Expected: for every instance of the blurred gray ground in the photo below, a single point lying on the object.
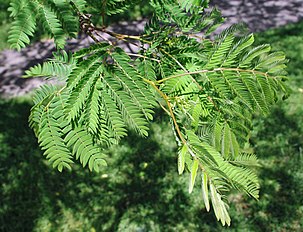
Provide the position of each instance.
(257, 14)
(260, 15)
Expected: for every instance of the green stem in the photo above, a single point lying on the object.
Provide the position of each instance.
(211, 71)
(171, 113)
(145, 57)
(184, 69)
(122, 36)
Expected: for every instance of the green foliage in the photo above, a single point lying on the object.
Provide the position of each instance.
(59, 67)
(209, 88)
(4, 16)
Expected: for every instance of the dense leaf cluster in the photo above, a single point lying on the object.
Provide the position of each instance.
(210, 88)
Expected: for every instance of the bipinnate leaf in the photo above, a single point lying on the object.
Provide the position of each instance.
(209, 86)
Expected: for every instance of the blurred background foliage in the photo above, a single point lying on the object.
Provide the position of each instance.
(4, 23)
(141, 190)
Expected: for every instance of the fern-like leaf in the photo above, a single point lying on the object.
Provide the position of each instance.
(84, 149)
(51, 24)
(57, 19)
(81, 92)
(24, 24)
(210, 88)
(220, 207)
(59, 67)
(50, 139)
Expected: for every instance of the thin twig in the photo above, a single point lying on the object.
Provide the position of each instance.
(214, 70)
(171, 113)
(98, 34)
(184, 69)
(145, 57)
(122, 36)
(164, 109)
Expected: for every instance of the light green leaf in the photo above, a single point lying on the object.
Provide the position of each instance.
(193, 174)
(205, 191)
(219, 206)
(181, 158)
